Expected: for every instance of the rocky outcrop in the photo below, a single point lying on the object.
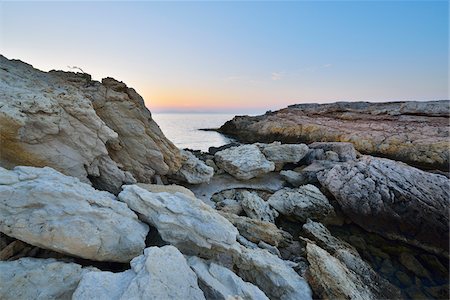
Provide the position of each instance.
(338, 272)
(274, 276)
(48, 209)
(94, 131)
(305, 202)
(220, 283)
(243, 162)
(41, 279)
(393, 199)
(182, 221)
(161, 273)
(193, 170)
(413, 132)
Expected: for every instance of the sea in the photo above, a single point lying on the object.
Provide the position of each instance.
(183, 129)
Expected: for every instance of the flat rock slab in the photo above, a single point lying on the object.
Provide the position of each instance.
(47, 209)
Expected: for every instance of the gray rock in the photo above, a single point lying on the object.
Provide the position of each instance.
(302, 203)
(193, 170)
(161, 273)
(182, 221)
(394, 200)
(256, 208)
(412, 264)
(41, 279)
(295, 179)
(50, 210)
(274, 276)
(243, 162)
(220, 283)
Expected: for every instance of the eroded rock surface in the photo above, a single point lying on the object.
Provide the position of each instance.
(161, 273)
(182, 221)
(41, 279)
(281, 154)
(48, 209)
(413, 132)
(393, 199)
(243, 162)
(90, 130)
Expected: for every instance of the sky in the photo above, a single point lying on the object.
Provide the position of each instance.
(240, 56)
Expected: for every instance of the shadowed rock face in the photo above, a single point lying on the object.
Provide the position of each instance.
(393, 199)
(94, 131)
(413, 132)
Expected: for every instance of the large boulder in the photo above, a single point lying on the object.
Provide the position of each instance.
(393, 199)
(193, 170)
(274, 276)
(281, 154)
(40, 279)
(415, 132)
(182, 221)
(220, 283)
(305, 202)
(99, 132)
(243, 162)
(345, 151)
(161, 273)
(48, 209)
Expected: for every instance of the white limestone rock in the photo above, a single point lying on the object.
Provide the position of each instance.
(182, 221)
(47, 209)
(40, 279)
(172, 189)
(95, 131)
(160, 274)
(256, 208)
(274, 276)
(281, 154)
(302, 203)
(220, 283)
(243, 162)
(193, 170)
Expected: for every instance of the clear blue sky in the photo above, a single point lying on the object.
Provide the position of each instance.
(234, 56)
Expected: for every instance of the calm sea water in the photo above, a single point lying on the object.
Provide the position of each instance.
(183, 129)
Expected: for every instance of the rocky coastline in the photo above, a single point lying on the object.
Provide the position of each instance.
(330, 201)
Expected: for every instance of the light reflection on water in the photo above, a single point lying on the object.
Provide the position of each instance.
(182, 129)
